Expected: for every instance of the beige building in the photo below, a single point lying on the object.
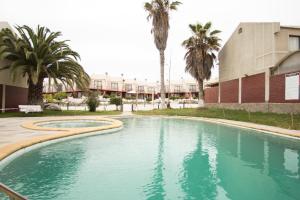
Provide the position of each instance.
(12, 92)
(260, 63)
(127, 87)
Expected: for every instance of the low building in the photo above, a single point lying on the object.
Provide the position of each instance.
(12, 93)
(259, 69)
(129, 88)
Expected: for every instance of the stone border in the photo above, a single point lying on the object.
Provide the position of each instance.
(282, 132)
(10, 149)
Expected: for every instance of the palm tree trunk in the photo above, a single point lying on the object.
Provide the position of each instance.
(201, 93)
(162, 79)
(35, 92)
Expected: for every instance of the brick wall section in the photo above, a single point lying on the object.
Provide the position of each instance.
(0, 96)
(211, 95)
(277, 90)
(15, 96)
(229, 91)
(253, 88)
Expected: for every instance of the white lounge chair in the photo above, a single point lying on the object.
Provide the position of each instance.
(30, 108)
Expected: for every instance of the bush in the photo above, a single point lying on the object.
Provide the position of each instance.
(60, 96)
(174, 98)
(149, 99)
(92, 101)
(48, 98)
(106, 96)
(116, 101)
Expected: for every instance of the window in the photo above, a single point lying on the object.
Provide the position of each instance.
(98, 84)
(150, 89)
(292, 86)
(177, 88)
(114, 86)
(192, 88)
(141, 88)
(128, 87)
(294, 43)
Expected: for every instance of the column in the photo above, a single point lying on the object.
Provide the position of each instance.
(3, 97)
(240, 90)
(267, 85)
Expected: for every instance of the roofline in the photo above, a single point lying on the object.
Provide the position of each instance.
(291, 27)
(276, 66)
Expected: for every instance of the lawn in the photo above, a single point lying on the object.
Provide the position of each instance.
(272, 119)
(47, 113)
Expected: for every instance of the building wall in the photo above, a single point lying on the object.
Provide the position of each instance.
(277, 90)
(253, 88)
(229, 91)
(0, 96)
(211, 95)
(248, 51)
(15, 96)
(253, 48)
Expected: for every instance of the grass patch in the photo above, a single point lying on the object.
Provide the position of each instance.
(47, 113)
(272, 119)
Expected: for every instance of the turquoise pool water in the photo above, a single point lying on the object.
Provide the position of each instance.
(153, 158)
(73, 124)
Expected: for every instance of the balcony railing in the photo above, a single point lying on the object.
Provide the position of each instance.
(10, 193)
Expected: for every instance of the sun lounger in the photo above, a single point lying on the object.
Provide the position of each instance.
(30, 108)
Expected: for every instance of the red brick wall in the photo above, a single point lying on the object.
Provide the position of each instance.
(277, 90)
(253, 88)
(230, 91)
(15, 96)
(1, 96)
(211, 95)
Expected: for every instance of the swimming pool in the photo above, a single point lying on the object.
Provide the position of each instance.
(157, 158)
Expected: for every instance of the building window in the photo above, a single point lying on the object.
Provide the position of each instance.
(128, 87)
(98, 84)
(150, 89)
(294, 43)
(177, 88)
(114, 86)
(141, 88)
(192, 88)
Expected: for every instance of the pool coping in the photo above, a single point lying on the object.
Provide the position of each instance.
(295, 134)
(62, 133)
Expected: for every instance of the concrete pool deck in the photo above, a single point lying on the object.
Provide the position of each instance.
(14, 136)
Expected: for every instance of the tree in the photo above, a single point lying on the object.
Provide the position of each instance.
(39, 55)
(158, 11)
(116, 101)
(200, 56)
(93, 101)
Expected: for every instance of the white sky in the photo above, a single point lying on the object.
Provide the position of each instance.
(114, 36)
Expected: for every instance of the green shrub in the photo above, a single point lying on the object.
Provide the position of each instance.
(92, 101)
(106, 96)
(116, 101)
(174, 98)
(60, 96)
(149, 99)
(48, 98)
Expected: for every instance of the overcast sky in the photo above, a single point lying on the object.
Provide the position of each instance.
(114, 36)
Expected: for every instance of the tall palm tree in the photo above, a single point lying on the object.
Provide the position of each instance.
(200, 56)
(39, 55)
(159, 13)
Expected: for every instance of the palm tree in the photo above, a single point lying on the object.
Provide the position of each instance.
(200, 56)
(39, 55)
(159, 13)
